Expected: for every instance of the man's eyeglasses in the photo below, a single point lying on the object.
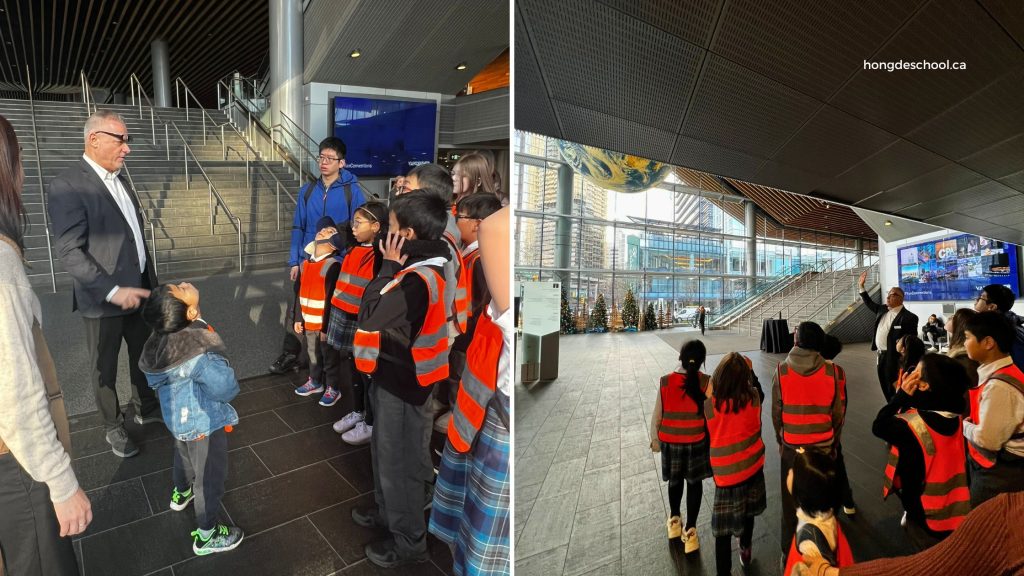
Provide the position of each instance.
(124, 138)
(322, 159)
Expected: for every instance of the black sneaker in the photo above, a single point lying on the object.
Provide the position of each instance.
(368, 517)
(286, 362)
(120, 443)
(383, 554)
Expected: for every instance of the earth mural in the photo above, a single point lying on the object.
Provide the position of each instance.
(613, 170)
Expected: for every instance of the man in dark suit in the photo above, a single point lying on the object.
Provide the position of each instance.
(892, 322)
(97, 226)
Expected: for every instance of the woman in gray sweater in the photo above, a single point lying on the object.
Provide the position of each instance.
(41, 504)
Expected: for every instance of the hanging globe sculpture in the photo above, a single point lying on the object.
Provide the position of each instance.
(613, 170)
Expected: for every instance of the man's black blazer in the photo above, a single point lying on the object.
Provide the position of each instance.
(93, 239)
(904, 323)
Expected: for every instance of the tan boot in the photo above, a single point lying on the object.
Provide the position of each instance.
(675, 527)
(690, 541)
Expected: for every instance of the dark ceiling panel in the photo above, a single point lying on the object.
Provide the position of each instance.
(954, 30)
(891, 167)
(735, 107)
(779, 175)
(690, 20)
(1015, 181)
(999, 160)
(979, 195)
(813, 47)
(1009, 14)
(699, 155)
(534, 112)
(988, 117)
(814, 149)
(575, 60)
(604, 131)
(941, 182)
(961, 222)
(998, 212)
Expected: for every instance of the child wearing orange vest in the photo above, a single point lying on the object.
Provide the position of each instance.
(403, 341)
(926, 466)
(995, 429)
(360, 263)
(814, 483)
(678, 431)
(733, 413)
(317, 278)
(808, 410)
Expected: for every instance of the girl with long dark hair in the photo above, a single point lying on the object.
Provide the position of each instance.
(679, 432)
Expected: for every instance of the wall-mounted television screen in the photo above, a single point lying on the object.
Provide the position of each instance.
(384, 137)
(956, 268)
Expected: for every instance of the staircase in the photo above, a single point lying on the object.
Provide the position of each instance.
(175, 196)
(817, 296)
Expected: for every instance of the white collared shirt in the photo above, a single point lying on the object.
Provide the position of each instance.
(469, 249)
(882, 333)
(124, 202)
(504, 322)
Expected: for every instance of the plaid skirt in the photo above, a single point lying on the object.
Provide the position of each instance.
(341, 330)
(734, 504)
(688, 462)
(471, 502)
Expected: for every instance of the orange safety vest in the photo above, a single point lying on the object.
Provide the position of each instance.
(737, 452)
(682, 420)
(807, 404)
(356, 272)
(313, 293)
(458, 308)
(479, 381)
(469, 263)
(843, 555)
(1013, 376)
(430, 345)
(946, 499)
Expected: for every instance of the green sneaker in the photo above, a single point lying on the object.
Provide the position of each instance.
(224, 538)
(180, 500)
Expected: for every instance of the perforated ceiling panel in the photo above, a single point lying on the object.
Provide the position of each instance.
(403, 45)
(777, 93)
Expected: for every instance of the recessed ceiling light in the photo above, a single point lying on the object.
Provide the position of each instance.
(355, 53)
(460, 66)
(888, 222)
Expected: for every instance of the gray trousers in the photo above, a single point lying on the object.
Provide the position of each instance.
(400, 451)
(29, 532)
(203, 465)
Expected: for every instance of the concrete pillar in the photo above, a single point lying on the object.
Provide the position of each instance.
(161, 74)
(563, 225)
(286, 63)
(749, 226)
(859, 247)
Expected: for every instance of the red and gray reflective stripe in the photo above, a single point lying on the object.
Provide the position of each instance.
(346, 297)
(434, 366)
(366, 350)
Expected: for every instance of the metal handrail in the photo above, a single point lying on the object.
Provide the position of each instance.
(86, 93)
(788, 309)
(278, 187)
(302, 169)
(39, 174)
(188, 93)
(214, 194)
(305, 148)
(133, 84)
(142, 210)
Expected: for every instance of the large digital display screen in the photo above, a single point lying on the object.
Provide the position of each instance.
(384, 137)
(956, 268)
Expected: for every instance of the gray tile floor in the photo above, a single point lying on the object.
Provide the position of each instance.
(292, 483)
(589, 498)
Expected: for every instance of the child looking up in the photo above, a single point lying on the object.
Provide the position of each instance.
(317, 279)
(815, 487)
(184, 362)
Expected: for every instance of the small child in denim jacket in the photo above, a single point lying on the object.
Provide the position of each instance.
(184, 362)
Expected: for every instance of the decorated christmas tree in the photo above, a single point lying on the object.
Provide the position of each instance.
(661, 316)
(630, 311)
(566, 322)
(650, 319)
(599, 316)
(581, 318)
(616, 321)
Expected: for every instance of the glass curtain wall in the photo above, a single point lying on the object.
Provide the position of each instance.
(673, 245)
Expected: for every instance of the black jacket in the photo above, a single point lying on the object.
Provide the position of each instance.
(93, 240)
(904, 323)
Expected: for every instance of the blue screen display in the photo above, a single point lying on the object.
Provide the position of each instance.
(385, 137)
(956, 268)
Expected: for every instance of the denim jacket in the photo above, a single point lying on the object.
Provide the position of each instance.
(191, 376)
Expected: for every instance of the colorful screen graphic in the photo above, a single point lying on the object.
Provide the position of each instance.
(956, 268)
